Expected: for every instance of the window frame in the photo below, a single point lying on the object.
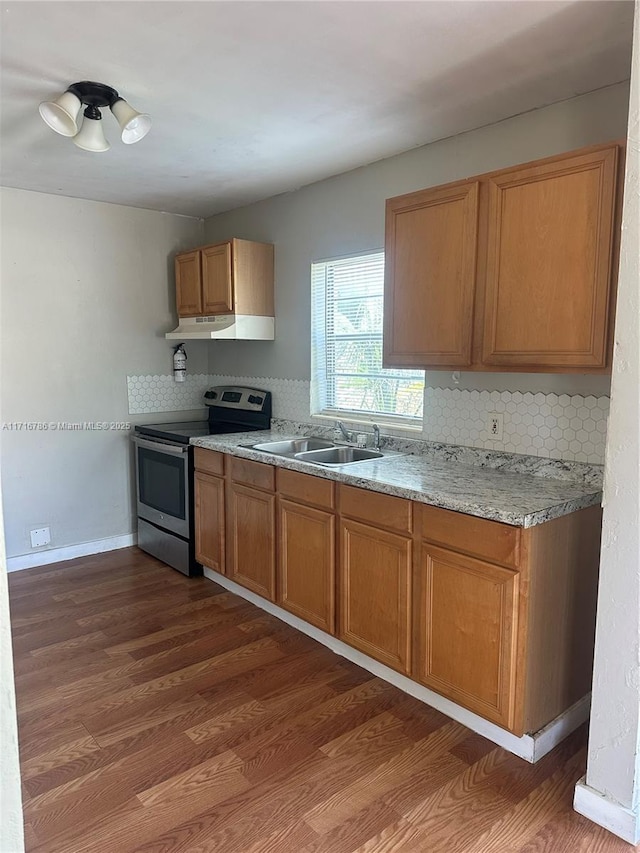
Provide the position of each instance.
(321, 396)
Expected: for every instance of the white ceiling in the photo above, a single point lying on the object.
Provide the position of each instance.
(250, 99)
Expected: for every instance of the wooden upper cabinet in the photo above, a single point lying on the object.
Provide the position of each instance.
(236, 276)
(512, 270)
(550, 240)
(217, 285)
(188, 284)
(430, 268)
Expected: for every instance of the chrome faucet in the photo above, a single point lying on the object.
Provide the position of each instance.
(376, 437)
(345, 432)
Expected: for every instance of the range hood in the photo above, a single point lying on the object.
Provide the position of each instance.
(224, 327)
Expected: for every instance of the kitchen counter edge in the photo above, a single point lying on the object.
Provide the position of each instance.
(371, 478)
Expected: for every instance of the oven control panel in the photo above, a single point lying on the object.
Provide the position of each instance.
(237, 397)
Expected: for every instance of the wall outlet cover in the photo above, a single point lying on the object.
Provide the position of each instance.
(495, 426)
(40, 536)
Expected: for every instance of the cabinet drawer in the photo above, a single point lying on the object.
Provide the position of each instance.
(252, 473)
(209, 461)
(375, 508)
(491, 540)
(306, 488)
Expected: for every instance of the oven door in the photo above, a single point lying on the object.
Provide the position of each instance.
(162, 484)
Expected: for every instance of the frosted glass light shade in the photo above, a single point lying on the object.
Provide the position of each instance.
(62, 114)
(134, 125)
(91, 136)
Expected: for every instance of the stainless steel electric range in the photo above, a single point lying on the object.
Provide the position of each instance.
(164, 470)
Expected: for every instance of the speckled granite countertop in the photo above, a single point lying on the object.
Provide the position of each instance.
(519, 499)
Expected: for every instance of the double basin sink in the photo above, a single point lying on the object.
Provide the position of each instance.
(317, 450)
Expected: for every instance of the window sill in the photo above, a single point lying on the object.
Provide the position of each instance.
(360, 418)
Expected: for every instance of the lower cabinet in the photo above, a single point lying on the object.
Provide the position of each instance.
(251, 528)
(210, 521)
(307, 548)
(505, 616)
(307, 570)
(498, 619)
(375, 579)
(209, 509)
(466, 629)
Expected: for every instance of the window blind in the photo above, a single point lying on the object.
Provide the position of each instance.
(346, 362)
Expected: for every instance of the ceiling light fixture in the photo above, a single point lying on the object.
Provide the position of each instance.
(62, 116)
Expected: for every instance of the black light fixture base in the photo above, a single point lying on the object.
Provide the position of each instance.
(94, 94)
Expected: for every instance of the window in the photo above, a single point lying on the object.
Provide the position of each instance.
(346, 345)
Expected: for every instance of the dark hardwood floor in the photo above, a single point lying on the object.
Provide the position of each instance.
(159, 714)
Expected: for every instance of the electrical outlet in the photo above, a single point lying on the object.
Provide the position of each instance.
(495, 423)
(40, 536)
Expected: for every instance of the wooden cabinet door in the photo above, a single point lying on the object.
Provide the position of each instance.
(306, 571)
(466, 614)
(217, 283)
(188, 284)
(549, 263)
(430, 275)
(375, 593)
(209, 507)
(251, 555)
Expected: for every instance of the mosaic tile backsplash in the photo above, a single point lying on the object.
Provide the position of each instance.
(556, 427)
(149, 394)
(547, 425)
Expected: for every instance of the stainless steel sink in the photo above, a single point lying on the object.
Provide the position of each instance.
(338, 455)
(316, 450)
(293, 446)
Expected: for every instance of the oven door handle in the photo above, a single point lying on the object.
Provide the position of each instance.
(160, 446)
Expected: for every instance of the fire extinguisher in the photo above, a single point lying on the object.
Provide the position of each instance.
(179, 363)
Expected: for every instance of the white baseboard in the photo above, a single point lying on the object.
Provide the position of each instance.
(547, 738)
(613, 816)
(70, 552)
(531, 747)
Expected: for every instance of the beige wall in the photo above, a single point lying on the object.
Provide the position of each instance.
(613, 769)
(10, 792)
(87, 295)
(345, 214)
